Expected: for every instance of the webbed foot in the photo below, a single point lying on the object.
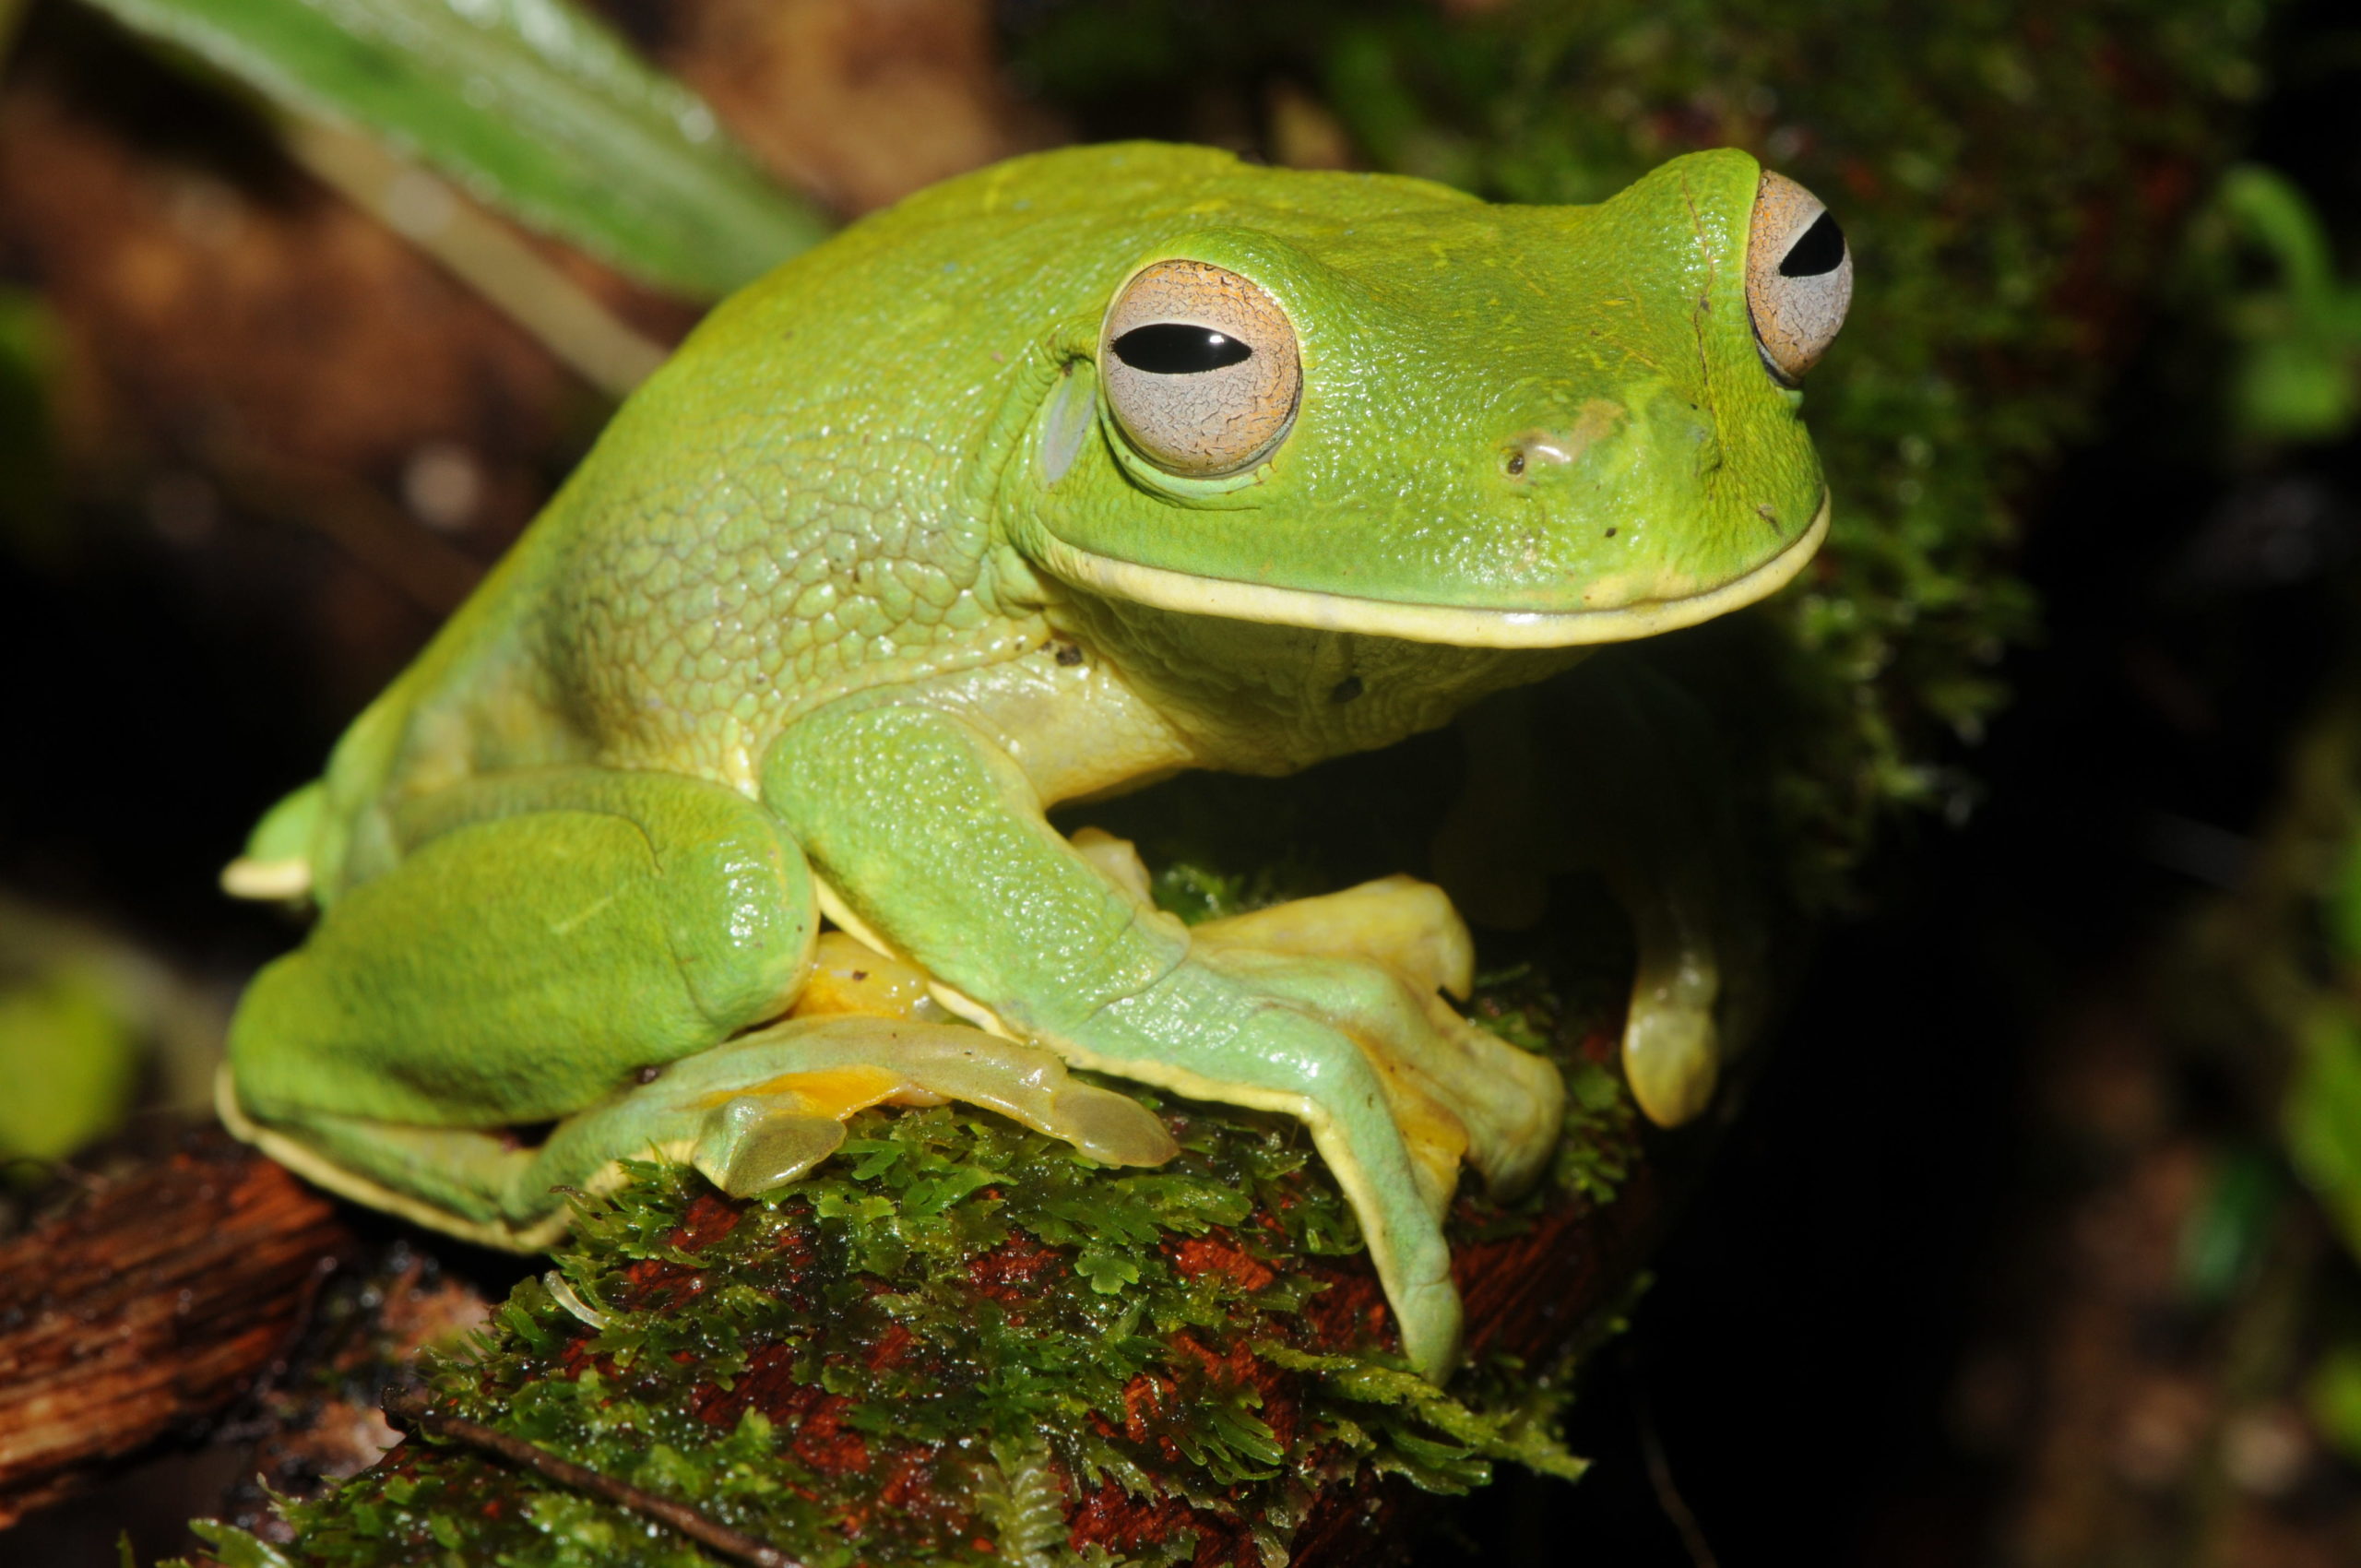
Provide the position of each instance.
(770, 1106)
(752, 1114)
(1506, 1104)
(1372, 965)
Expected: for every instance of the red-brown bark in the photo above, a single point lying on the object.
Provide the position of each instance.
(153, 1303)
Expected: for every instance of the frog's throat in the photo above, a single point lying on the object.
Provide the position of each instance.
(1458, 626)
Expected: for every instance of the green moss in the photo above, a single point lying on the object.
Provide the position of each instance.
(943, 1340)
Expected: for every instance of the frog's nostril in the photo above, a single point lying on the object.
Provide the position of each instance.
(1597, 420)
(1538, 447)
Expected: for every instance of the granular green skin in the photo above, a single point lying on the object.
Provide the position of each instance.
(961, 1341)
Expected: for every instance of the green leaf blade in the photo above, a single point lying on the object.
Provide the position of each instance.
(535, 109)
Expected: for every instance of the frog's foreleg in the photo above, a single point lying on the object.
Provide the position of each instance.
(1659, 824)
(936, 840)
(1675, 1026)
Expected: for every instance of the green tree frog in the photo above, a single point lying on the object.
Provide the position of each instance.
(717, 812)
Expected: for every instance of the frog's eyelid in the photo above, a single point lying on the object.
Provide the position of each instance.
(1798, 276)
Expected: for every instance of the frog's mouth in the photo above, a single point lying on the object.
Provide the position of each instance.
(1457, 625)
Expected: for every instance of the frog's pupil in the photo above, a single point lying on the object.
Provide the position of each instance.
(1818, 250)
(1170, 348)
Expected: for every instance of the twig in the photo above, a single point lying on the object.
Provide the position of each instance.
(1669, 1498)
(409, 1411)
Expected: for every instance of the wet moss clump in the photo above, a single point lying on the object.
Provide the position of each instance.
(960, 1340)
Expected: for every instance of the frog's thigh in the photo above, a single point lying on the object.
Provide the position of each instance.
(450, 1179)
(555, 934)
(1411, 943)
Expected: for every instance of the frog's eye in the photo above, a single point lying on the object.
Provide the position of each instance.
(1798, 276)
(1200, 368)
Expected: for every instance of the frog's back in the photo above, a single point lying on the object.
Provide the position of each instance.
(799, 505)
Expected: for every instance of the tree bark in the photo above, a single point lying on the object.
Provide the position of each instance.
(152, 1303)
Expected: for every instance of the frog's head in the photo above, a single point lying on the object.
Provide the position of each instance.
(1370, 405)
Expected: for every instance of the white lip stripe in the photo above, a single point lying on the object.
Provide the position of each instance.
(1165, 590)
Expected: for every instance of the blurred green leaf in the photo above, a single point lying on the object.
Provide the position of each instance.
(2334, 1396)
(2322, 1117)
(534, 107)
(2224, 1233)
(29, 522)
(2297, 372)
(69, 1053)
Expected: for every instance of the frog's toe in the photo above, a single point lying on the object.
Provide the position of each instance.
(771, 1102)
(1117, 860)
(1111, 1128)
(749, 1145)
(1513, 1102)
(1404, 924)
(1430, 1318)
(1672, 1057)
(1672, 1042)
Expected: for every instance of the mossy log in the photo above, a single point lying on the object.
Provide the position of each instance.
(961, 1341)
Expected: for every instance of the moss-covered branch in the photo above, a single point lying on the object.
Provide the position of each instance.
(962, 1341)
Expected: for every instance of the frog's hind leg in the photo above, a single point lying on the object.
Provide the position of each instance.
(752, 1115)
(544, 939)
(455, 1180)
